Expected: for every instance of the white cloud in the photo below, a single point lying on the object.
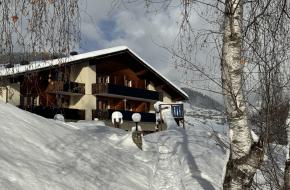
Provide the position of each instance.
(141, 31)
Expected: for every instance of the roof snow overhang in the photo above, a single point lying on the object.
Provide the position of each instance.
(141, 67)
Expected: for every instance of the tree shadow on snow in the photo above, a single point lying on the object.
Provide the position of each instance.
(194, 170)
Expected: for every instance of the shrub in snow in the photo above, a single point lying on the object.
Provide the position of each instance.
(117, 117)
(58, 117)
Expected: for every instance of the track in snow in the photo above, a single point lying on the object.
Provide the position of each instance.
(167, 174)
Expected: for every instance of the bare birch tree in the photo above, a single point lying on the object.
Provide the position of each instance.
(245, 155)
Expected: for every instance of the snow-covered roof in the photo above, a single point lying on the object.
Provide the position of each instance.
(37, 65)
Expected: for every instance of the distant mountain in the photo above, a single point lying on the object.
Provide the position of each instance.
(203, 101)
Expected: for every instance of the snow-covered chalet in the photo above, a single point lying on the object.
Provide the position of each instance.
(89, 85)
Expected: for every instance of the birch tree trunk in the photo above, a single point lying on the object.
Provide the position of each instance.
(287, 163)
(245, 157)
(287, 174)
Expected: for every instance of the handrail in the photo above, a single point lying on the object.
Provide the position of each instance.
(60, 86)
(100, 88)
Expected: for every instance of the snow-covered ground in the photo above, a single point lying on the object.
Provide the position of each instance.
(38, 153)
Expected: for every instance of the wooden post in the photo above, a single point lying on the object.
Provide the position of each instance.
(7, 91)
(161, 119)
(137, 138)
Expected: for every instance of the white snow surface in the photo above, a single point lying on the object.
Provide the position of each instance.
(38, 153)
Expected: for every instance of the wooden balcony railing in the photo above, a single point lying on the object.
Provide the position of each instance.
(99, 88)
(49, 112)
(119, 90)
(127, 115)
(66, 88)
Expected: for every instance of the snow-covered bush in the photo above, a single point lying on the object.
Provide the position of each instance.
(156, 106)
(58, 117)
(117, 117)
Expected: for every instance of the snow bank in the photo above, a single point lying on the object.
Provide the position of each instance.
(39, 153)
(188, 159)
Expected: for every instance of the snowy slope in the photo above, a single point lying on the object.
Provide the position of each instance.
(38, 153)
(189, 159)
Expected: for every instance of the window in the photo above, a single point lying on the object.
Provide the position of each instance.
(103, 79)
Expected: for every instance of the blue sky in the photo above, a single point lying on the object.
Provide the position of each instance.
(109, 30)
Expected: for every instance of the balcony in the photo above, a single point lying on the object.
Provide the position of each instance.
(127, 115)
(66, 88)
(124, 91)
(49, 112)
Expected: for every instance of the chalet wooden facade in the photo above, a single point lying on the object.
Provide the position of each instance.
(89, 85)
